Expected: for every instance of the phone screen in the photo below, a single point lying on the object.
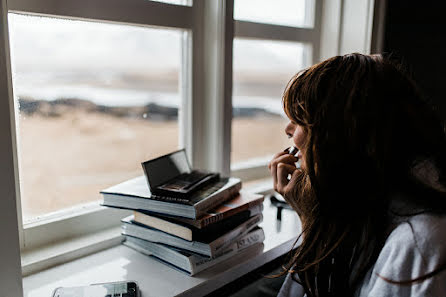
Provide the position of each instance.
(118, 289)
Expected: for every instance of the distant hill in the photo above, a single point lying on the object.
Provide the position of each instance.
(151, 111)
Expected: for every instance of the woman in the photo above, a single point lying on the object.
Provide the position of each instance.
(371, 188)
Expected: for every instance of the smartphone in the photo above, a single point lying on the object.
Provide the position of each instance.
(114, 289)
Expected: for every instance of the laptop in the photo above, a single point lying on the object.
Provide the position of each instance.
(171, 175)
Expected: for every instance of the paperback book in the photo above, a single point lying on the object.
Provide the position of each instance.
(135, 194)
(209, 247)
(189, 262)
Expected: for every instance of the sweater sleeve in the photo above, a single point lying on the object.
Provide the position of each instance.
(291, 288)
(413, 249)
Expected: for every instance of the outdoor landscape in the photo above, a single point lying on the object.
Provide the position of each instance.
(90, 109)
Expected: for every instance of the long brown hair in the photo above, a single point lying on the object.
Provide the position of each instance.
(367, 128)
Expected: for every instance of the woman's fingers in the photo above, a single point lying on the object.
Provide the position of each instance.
(280, 158)
(283, 171)
(275, 157)
(286, 186)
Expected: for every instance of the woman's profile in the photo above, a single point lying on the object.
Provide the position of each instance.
(371, 189)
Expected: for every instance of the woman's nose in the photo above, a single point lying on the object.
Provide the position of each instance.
(289, 129)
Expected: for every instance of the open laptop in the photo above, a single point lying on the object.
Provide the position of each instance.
(171, 175)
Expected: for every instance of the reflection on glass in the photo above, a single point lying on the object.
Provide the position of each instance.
(261, 71)
(94, 101)
(279, 12)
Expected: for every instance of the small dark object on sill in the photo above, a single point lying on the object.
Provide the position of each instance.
(280, 206)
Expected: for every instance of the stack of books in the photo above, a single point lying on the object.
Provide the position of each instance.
(216, 223)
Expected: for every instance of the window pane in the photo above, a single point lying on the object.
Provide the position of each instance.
(294, 13)
(261, 71)
(94, 101)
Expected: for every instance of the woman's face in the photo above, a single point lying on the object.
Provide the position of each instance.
(298, 135)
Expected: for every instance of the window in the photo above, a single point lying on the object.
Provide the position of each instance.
(91, 99)
(257, 92)
(96, 92)
(273, 41)
(107, 85)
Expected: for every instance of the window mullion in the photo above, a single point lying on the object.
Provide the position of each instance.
(317, 14)
(247, 29)
(212, 85)
(193, 103)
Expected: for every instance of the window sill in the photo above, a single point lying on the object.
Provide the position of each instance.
(46, 256)
(41, 258)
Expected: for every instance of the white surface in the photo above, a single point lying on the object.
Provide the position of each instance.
(157, 279)
(356, 26)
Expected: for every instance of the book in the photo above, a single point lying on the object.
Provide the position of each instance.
(243, 201)
(209, 247)
(192, 263)
(228, 214)
(135, 194)
(191, 233)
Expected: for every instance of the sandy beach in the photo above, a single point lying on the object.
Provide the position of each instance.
(66, 160)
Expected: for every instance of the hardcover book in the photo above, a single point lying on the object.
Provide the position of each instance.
(189, 262)
(242, 202)
(135, 194)
(228, 215)
(192, 233)
(208, 247)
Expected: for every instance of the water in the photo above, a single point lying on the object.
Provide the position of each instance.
(125, 97)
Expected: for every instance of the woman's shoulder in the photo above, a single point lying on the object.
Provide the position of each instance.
(414, 248)
(421, 235)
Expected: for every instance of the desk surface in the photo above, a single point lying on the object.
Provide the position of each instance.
(156, 279)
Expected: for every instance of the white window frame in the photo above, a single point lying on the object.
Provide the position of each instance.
(10, 275)
(92, 218)
(206, 85)
(309, 34)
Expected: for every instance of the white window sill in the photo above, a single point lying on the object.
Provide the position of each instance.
(46, 256)
(57, 253)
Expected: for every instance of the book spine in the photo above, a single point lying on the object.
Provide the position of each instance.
(218, 198)
(250, 239)
(226, 239)
(200, 263)
(255, 208)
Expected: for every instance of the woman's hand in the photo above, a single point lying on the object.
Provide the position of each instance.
(281, 166)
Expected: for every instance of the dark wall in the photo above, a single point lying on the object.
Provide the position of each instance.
(416, 32)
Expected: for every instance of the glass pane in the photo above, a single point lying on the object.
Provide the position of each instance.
(94, 100)
(294, 13)
(261, 71)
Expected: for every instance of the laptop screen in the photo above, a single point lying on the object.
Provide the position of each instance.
(165, 168)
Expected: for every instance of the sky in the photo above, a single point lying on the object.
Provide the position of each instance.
(56, 52)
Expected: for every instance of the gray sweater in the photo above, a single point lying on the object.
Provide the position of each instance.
(412, 249)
